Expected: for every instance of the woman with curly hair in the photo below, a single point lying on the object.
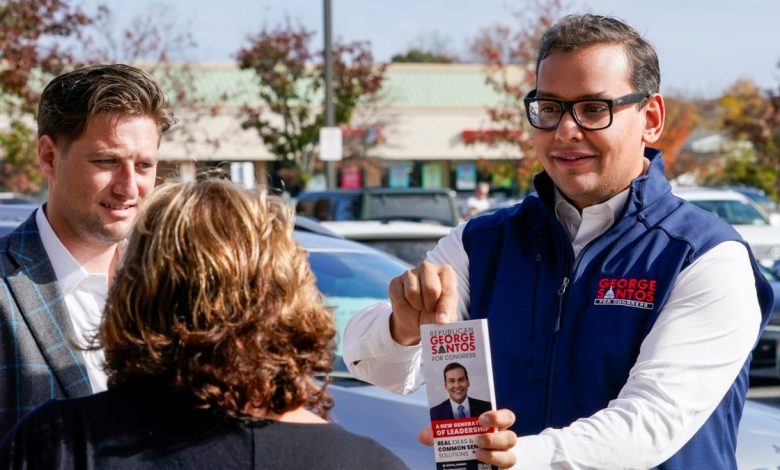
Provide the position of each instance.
(213, 333)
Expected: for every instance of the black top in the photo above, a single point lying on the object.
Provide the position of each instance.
(133, 428)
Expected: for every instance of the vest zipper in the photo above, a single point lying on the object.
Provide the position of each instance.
(554, 350)
(561, 291)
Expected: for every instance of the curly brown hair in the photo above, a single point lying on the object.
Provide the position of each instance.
(215, 298)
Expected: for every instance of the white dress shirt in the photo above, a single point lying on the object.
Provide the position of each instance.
(686, 363)
(85, 296)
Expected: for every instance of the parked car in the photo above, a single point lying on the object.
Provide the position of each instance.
(11, 215)
(15, 198)
(743, 214)
(758, 440)
(413, 204)
(409, 241)
(766, 362)
(759, 196)
(353, 276)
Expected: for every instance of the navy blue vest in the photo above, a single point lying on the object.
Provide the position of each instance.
(564, 335)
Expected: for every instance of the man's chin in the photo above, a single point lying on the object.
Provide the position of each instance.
(111, 233)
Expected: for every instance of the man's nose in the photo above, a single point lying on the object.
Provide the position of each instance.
(125, 180)
(568, 129)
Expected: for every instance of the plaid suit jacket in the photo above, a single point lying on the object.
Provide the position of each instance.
(37, 360)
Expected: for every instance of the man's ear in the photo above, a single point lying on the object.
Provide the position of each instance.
(655, 114)
(47, 153)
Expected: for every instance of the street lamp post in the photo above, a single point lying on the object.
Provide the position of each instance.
(330, 116)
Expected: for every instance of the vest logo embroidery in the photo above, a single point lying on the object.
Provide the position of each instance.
(637, 293)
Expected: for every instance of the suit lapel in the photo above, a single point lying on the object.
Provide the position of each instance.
(35, 288)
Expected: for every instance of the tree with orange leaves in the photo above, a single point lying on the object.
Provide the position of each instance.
(680, 122)
(28, 48)
(510, 60)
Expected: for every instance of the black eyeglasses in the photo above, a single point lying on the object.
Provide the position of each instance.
(590, 114)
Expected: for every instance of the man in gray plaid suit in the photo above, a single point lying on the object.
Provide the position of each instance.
(99, 129)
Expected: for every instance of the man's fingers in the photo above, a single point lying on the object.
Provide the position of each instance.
(425, 436)
(446, 309)
(411, 289)
(499, 419)
(501, 440)
(501, 459)
(405, 319)
(396, 289)
(430, 285)
(425, 294)
(495, 448)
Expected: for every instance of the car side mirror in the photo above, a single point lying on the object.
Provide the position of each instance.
(774, 219)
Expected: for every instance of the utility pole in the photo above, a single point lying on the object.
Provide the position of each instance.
(330, 115)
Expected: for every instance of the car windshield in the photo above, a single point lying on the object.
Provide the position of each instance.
(759, 197)
(734, 212)
(415, 207)
(352, 281)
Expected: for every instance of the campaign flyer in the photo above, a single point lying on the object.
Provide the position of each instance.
(459, 378)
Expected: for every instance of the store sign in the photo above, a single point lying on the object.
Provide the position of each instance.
(465, 176)
(432, 175)
(331, 144)
(351, 177)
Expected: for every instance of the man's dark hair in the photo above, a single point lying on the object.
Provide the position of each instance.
(454, 365)
(577, 31)
(71, 100)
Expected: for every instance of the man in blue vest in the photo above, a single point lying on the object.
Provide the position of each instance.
(621, 317)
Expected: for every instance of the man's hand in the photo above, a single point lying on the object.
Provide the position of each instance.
(425, 294)
(495, 448)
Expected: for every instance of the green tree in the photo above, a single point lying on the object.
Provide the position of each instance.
(753, 115)
(291, 87)
(421, 56)
(427, 48)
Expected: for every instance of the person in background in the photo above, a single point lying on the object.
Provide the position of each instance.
(477, 202)
(214, 332)
(99, 129)
(621, 317)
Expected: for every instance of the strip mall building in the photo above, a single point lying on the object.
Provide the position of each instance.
(420, 134)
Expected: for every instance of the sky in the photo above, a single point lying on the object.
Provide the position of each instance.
(703, 45)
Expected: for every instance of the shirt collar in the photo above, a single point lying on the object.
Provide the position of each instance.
(465, 405)
(567, 213)
(606, 212)
(564, 209)
(68, 271)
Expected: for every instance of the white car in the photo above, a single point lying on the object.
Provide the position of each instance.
(409, 241)
(743, 214)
